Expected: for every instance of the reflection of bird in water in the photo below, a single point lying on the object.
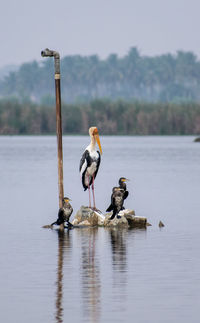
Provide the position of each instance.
(90, 273)
(90, 162)
(119, 194)
(64, 213)
(118, 244)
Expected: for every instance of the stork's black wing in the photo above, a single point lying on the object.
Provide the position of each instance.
(84, 163)
(98, 163)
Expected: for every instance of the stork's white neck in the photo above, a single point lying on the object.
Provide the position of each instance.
(92, 144)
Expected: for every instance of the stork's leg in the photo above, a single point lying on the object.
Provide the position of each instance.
(89, 191)
(93, 193)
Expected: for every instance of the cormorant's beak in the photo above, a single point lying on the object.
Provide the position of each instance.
(67, 200)
(98, 142)
(125, 180)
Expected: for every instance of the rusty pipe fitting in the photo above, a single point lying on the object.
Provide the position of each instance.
(51, 53)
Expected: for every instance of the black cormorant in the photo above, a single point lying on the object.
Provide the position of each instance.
(122, 184)
(89, 163)
(119, 194)
(117, 201)
(64, 213)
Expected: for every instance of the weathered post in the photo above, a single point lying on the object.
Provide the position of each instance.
(51, 53)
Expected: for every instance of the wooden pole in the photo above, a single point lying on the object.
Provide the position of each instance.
(50, 53)
(59, 139)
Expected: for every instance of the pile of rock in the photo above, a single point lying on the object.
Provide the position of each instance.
(125, 219)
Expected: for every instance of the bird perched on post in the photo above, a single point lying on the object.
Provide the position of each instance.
(64, 213)
(89, 163)
(119, 194)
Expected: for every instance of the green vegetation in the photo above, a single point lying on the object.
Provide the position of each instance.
(164, 78)
(147, 95)
(114, 118)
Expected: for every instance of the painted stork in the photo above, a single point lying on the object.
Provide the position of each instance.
(89, 163)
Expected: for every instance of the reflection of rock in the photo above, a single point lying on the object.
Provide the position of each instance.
(126, 218)
(197, 139)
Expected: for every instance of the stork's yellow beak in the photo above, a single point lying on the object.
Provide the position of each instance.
(98, 142)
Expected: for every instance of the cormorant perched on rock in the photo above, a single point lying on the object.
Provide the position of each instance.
(122, 187)
(89, 163)
(64, 213)
(117, 201)
(122, 184)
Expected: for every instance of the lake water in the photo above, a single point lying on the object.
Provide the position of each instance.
(100, 275)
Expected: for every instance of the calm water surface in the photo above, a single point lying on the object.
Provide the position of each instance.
(100, 275)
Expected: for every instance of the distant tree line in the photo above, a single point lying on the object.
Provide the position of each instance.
(112, 118)
(164, 78)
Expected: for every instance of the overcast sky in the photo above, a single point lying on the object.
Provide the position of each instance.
(97, 27)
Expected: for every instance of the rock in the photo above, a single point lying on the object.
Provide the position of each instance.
(75, 222)
(160, 224)
(197, 139)
(47, 226)
(127, 213)
(134, 221)
(137, 222)
(126, 218)
(84, 223)
(116, 222)
(92, 217)
(101, 218)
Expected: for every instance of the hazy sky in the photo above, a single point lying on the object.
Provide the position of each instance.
(97, 27)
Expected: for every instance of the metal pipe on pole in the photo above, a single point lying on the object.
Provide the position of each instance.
(51, 53)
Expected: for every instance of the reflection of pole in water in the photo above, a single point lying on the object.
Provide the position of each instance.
(91, 286)
(63, 243)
